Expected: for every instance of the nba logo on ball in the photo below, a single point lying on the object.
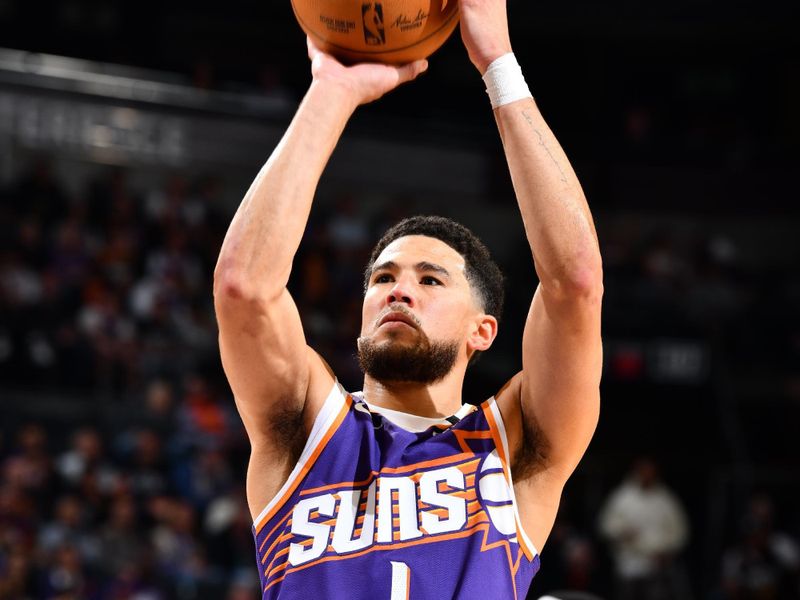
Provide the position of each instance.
(372, 17)
(389, 31)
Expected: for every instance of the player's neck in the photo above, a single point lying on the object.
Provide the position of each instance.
(440, 399)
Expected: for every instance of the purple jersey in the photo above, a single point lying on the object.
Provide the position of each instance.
(372, 510)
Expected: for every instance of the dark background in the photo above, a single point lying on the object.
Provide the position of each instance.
(681, 120)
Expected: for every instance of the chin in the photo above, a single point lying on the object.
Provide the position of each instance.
(396, 341)
(401, 333)
(389, 339)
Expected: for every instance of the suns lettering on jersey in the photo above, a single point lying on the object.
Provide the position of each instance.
(392, 509)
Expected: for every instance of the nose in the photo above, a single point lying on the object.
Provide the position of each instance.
(400, 293)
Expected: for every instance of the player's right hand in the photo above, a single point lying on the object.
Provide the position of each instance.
(364, 82)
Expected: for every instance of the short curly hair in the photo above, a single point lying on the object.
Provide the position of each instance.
(482, 273)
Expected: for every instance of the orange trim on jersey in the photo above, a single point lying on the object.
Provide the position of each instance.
(309, 463)
(462, 458)
(501, 451)
(444, 513)
(278, 539)
(477, 518)
(346, 484)
(462, 436)
(269, 569)
(431, 463)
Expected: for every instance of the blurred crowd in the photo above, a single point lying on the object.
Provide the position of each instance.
(106, 303)
(149, 507)
(107, 289)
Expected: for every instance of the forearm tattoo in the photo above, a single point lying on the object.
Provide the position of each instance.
(538, 133)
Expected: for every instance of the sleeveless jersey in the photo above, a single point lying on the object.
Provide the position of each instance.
(373, 511)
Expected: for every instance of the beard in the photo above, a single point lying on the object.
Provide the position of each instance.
(425, 362)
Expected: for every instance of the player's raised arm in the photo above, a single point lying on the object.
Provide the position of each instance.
(558, 389)
(270, 369)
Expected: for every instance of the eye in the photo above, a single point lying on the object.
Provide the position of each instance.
(428, 280)
(382, 278)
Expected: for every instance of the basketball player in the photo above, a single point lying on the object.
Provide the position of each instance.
(399, 490)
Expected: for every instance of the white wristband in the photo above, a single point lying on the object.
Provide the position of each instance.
(505, 82)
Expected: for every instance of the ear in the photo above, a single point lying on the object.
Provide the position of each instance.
(483, 333)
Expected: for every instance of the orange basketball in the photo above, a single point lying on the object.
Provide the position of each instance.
(389, 31)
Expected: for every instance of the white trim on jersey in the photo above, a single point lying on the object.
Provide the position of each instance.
(322, 424)
(414, 423)
(501, 426)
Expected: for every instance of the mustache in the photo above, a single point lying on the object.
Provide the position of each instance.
(398, 308)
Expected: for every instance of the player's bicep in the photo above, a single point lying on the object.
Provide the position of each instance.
(562, 364)
(265, 357)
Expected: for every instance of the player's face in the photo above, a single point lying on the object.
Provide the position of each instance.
(418, 293)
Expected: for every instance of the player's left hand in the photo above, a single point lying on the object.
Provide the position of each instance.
(484, 29)
(363, 82)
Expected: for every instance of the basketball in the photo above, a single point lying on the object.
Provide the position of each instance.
(390, 31)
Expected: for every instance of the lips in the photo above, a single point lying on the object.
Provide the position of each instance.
(397, 317)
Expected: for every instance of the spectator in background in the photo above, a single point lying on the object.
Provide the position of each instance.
(86, 455)
(179, 556)
(18, 522)
(208, 476)
(30, 468)
(71, 528)
(765, 564)
(646, 526)
(204, 420)
(64, 578)
(152, 408)
(348, 228)
(572, 558)
(228, 537)
(148, 469)
(129, 583)
(242, 589)
(16, 580)
(121, 542)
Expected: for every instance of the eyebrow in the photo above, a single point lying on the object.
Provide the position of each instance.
(428, 267)
(424, 266)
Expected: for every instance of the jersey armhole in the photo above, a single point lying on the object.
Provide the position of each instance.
(495, 419)
(330, 416)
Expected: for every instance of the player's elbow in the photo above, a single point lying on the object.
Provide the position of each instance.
(230, 285)
(237, 281)
(586, 281)
(233, 287)
(581, 281)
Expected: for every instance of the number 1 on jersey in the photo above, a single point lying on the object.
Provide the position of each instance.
(401, 580)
